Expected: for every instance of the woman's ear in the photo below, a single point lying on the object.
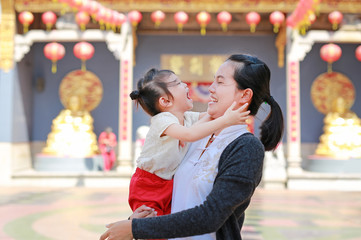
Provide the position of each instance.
(164, 102)
(247, 95)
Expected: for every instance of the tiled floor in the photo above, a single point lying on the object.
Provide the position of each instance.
(81, 213)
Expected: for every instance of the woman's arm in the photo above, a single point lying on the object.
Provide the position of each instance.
(201, 130)
(239, 173)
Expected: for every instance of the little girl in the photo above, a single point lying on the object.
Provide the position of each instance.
(163, 96)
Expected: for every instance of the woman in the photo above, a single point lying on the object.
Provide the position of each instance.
(218, 178)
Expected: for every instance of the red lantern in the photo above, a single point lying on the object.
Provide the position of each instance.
(26, 18)
(100, 16)
(108, 18)
(224, 18)
(49, 19)
(358, 53)
(276, 18)
(135, 17)
(180, 18)
(82, 19)
(76, 4)
(335, 18)
(83, 51)
(54, 51)
(118, 20)
(93, 9)
(253, 19)
(157, 17)
(330, 53)
(203, 18)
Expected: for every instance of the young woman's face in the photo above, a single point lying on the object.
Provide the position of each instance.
(223, 91)
(181, 100)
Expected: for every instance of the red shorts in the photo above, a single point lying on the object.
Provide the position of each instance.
(150, 190)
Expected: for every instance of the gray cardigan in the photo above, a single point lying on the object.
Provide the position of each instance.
(239, 173)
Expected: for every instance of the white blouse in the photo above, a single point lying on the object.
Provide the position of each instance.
(194, 178)
(162, 155)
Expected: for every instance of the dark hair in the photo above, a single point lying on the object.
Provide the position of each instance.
(150, 88)
(250, 72)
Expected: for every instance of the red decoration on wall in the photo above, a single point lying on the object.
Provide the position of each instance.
(26, 18)
(330, 53)
(135, 17)
(335, 18)
(203, 18)
(276, 18)
(180, 18)
(49, 19)
(54, 51)
(157, 17)
(83, 51)
(253, 19)
(224, 18)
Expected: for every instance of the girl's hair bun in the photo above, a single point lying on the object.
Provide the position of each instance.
(134, 94)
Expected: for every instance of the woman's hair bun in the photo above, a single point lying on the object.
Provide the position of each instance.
(134, 94)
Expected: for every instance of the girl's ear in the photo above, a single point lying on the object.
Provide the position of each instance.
(164, 102)
(247, 95)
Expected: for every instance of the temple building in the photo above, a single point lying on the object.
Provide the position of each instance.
(67, 68)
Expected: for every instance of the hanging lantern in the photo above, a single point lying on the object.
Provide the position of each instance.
(49, 19)
(253, 19)
(224, 18)
(203, 18)
(330, 53)
(118, 20)
(76, 4)
(54, 51)
(108, 18)
(335, 18)
(64, 6)
(157, 17)
(26, 18)
(93, 10)
(276, 18)
(82, 19)
(358, 53)
(84, 51)
(135, 17)
(180, 18)
(100, 16)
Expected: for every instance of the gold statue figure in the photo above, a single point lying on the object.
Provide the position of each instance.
(72, 132)
(342, 132)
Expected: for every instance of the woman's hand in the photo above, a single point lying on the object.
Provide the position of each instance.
(122, 230)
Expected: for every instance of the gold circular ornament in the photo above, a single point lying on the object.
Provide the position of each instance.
(329, 86)
(83, 84)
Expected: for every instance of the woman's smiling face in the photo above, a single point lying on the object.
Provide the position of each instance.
(223, 91)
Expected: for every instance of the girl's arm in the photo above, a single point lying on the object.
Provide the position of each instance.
(201, 130)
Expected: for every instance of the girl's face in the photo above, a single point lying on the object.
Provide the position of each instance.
(223, 91)
(181, 100)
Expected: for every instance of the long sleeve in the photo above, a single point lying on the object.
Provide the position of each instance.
(240, 170)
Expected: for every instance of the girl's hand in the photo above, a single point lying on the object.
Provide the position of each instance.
(142, 212)
(236, 116)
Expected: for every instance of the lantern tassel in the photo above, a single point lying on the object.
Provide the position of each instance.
(203, 29)
(334, 26)
(53, 67)
(224, 27)
(26, 28)
(180, 27)
(329, 67)
(83, 66)
(253, 28)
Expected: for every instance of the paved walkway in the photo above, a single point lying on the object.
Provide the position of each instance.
(81, 213)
